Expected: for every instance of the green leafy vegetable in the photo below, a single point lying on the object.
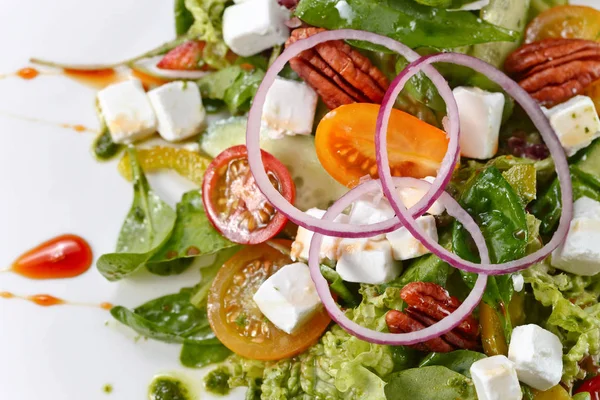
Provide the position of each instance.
(193, 234)
(214, 84)
(406, 21)
(337, 285)
(183, 18)
(458, 361)
(198, 354)
(209, 271)
(207, 23)
(146, 228)
(429, 383)
(217, 381)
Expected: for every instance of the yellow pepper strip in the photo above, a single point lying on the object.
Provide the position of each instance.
(555, 393)
(190, 165)
(492, 334)
(516, 309)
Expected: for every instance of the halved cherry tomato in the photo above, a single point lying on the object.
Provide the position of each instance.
(345, 143)
(236, 320)
(233, 202)
(591, 386)
(569, 22)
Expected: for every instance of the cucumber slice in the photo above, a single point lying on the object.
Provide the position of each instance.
(590, 161)
(509, 14)
(314, 186)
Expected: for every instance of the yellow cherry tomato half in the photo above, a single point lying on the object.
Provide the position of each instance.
(569, 22)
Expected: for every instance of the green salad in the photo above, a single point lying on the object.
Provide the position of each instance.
(491, 287)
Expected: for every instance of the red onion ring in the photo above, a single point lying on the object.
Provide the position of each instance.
(445, 325)
(331, 228)
(539, 120)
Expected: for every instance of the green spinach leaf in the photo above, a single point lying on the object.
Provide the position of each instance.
(338, 286)
(429, 383)
(192, 236)
(209, 271)
(406, 21)
(239, 95)
(214, 84)
(147, 227)
(458, 361)
(183, 18)
(198, 354)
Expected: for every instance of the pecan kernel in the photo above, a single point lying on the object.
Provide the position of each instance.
(554, 70)
(429, 303)
(337, 72)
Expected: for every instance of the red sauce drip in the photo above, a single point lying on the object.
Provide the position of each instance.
(28, 73)
(77, 128)
(45, 300)
(98, 78)
(65, 256)
(148, 81)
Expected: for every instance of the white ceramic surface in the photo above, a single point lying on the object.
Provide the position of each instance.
(50, 184)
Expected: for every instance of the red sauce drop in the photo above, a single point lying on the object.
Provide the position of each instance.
(98, 78)
(65, 256)
(27, 73)
(106, 306)
(45, 300)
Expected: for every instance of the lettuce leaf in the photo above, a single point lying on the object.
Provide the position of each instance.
(575, 315)
(207, 26)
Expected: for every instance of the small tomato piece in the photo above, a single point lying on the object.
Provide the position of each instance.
(568, 22)
(233, 202)
(591, 386)
(345, 142)
(236, 319)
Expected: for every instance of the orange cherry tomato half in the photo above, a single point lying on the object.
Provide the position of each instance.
(569, 22)
(235, 318)
(345, 142)
(233, 202)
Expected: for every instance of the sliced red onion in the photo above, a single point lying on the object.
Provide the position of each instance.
(445, 325)
(539, 120)
(331, 228)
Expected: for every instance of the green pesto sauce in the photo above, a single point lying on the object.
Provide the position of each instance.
(107, 388)
(217, 381)
(168, 388)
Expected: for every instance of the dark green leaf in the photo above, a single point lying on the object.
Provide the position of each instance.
(214, 84)
(404, 357)
(183, 18)
(167, 268)
(337, 285)
(406, 21)
(146, 228)
(209, 271)
(458, 361)
(429, 383)
(239, 95)
(192, 236)
(198, 354)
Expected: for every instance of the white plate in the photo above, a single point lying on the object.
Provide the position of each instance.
(50, 184)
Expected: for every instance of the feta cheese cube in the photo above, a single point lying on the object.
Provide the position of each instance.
(495, 378)
(411, 196)
(518, 282)
(179, 110)
(289, 109)
(480, 118)
(537, 354)
(252, 26)
(579, 253)
(289, 297)
(127, 111)
(405, 246)
(575, 122)
(371, 210)
(367, 261)
(329, 246)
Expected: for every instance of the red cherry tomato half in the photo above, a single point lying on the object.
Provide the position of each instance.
(591, 386)
(233, 202)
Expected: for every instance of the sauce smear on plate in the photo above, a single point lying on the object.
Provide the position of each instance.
(65, 256)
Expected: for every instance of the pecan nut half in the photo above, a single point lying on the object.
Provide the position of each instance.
(429, 303)
(337, 72)
(554, 70)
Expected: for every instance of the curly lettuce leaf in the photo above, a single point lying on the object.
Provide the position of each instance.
(575, 315)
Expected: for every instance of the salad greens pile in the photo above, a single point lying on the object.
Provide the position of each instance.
(515, 200)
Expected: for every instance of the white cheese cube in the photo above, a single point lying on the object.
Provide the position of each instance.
(584, 207)
(495, 378)
(518, 282)
(575, 122)
(179, 110)
(405, 246)
(289, 109)
(411, 196)
(252, 26)
(480, 119)
(289, 297)
(537, 354)
(127, 111)
(367, 261)
(329, 245)
(371, 210)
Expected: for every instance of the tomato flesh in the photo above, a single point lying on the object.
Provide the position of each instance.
(569, 22)
(235, 318)
(345, 141)
(591, 386)
(233, 202)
